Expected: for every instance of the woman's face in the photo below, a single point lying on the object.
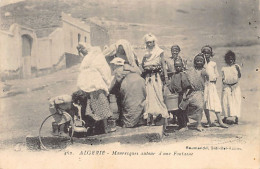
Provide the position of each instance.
(120, 50)
(150, 44)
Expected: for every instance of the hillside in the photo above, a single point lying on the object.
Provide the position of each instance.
(218, 23)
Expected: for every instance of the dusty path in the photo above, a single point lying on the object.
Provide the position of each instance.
(24, 112)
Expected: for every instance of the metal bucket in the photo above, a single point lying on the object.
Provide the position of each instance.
(171, 101)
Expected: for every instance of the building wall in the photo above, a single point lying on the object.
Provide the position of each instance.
(99, 36)
(50, 49)
(8, 56)
(12, 61)
(57, 45)
(63, 40)
(71, 29)
(46, 52)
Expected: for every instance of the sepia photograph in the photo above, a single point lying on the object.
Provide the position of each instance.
(130, 84)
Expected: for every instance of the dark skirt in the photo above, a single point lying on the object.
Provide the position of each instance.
(98, 106)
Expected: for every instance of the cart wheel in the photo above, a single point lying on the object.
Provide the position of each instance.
(53, 135)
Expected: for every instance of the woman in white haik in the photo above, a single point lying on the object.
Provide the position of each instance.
(153, 65)
(211, 98)
(231, 93)
(94, 80)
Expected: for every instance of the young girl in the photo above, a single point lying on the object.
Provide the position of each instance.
(212, 101)
(231, 94)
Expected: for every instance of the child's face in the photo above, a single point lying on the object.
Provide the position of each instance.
(175, 52)
(199, 63)
(178, 65)
(207, 54)
(231, 61)
(178, 68)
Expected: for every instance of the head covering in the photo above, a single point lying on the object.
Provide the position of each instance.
(153, 54)
(150, 38)
(118, 61)
(110, 51)
(176, 47)
(87, 46)
(129, 52)
(207, 48)
(199, 57)
(95, 72)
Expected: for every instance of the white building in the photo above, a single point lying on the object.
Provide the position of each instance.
(27, 52)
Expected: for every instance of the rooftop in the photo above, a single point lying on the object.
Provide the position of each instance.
(38, 17)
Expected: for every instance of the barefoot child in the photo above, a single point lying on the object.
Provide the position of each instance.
(170, 66)
(231, 94)
(212, 101)
(192, 83)
(176, 86)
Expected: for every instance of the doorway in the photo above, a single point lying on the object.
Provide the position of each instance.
(26, 56)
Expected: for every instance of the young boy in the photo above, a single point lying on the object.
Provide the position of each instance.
(170, 63)
(176, 87)
(175, 50)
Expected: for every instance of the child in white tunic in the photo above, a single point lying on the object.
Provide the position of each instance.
(211, 99)
(231, 93)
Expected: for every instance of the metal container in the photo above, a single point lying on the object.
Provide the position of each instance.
(171, 101)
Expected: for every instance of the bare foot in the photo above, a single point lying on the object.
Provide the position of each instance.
(62, 134)
(212, 125)
(183, 129)
(200, 128)
(223, 125)
(165, 134)
(206, 125)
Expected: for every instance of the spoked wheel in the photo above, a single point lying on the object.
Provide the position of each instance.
(53, 135)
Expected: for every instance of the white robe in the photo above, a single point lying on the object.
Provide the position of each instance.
(231, 94)
(95, 72)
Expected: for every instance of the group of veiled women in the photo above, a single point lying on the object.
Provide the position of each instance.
(140, 87)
